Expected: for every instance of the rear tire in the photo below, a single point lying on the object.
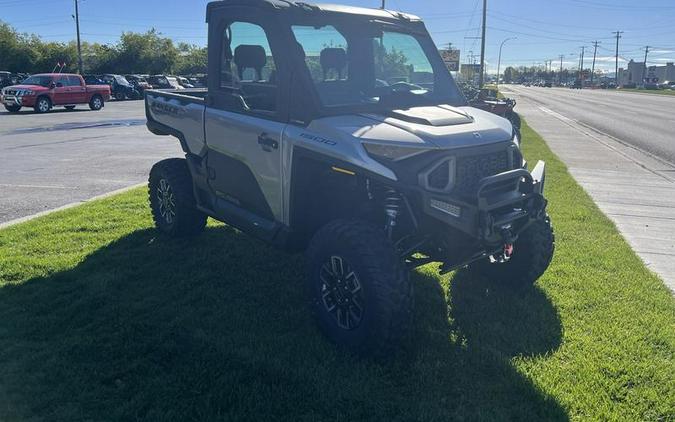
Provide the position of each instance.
(172, 200)
(359, 287)
(96, 103)
(532, 254)
(13, 109)
(43, 105)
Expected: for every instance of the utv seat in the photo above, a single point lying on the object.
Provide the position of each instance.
(258, 93)
(335, 84)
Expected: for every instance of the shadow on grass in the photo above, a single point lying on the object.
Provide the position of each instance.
(217, 328)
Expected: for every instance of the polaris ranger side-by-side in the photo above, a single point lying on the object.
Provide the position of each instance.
(339, 131)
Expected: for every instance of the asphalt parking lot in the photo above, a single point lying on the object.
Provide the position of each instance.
(64, 157)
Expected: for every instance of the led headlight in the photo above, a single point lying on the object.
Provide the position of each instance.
(392, 152)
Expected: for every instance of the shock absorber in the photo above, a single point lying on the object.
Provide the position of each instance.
(392, 207)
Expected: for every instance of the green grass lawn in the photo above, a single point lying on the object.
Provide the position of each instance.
(102, 319)
(648, 91)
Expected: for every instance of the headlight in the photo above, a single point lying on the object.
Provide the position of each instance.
(392, 152)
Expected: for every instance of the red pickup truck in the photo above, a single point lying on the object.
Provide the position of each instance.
(44, 91)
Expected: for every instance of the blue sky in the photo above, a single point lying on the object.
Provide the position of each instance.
(544, 29)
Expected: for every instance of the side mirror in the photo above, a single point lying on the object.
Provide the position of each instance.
(52, 85)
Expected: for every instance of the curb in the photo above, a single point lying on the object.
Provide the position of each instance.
(68, 206)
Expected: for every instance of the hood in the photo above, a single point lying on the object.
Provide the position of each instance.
(31, 87)
(442, 127)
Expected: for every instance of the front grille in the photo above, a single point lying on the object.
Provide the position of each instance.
(472, 169)
(10, 92)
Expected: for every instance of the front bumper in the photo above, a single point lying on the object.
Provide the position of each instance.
(504, 205)
(21, 101)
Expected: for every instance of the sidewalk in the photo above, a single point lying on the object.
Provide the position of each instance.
(634, 189)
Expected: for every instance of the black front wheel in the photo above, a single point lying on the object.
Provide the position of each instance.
(13, 108)
(532, 254)
(359, 287)
(172, 200)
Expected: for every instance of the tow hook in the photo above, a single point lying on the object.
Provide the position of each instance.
(508, 251)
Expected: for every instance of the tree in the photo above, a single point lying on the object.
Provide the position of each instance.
(191, 60)
(145, 53)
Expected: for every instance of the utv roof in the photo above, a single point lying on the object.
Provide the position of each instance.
(310, 8)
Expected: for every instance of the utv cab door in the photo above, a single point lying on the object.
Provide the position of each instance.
(244, 118)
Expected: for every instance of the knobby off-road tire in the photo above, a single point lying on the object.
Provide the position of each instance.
(532, 254)
(13, 109)
(96, 103)
(172, 200)
(43, 105)
(515, 120)
(355, 270)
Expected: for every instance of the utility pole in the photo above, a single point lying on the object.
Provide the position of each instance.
(79, 46)
(561, 69)
(616, 58)
(481, 79)
(581, 66)
(644, 70)
(382, 7)
(595, 53)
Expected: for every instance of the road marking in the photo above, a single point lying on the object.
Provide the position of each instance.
(557, 115)
(68, 206)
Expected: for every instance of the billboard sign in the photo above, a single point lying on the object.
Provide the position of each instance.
(451, 59)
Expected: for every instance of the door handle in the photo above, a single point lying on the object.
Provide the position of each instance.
(267, 143)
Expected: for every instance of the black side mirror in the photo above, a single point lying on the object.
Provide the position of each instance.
(52, 85)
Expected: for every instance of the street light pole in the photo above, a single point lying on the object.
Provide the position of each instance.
(499, 62)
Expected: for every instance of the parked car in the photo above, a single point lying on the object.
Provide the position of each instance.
(44, 91)
(667, 85)
(372, 179)
(630, 85)
(5, 79)
(198, 82)
(93, 80)
(173, 81)
(159, 82)
(121, 88)
(184, 82)
(139, 82)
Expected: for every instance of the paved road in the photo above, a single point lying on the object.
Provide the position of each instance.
(59, 158)
(646, 121)
(602, 137)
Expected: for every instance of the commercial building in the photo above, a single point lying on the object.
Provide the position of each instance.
(634, 73)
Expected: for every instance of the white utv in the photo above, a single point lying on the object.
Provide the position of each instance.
(339, 131)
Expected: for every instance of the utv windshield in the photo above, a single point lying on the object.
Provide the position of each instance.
(38, 80)
(375, 66)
